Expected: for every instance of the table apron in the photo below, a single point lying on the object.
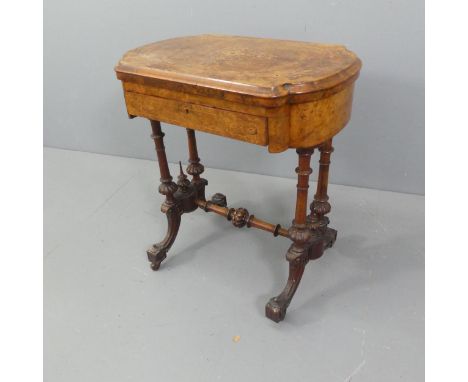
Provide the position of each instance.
(240, 126)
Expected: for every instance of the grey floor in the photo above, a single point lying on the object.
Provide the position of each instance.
(358, 314)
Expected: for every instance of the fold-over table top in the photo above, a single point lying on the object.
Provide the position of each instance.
(254, 67)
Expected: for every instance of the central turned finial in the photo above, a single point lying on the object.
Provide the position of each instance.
(182, 180)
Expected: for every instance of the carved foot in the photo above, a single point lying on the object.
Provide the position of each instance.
(275, 310)
(156, 256)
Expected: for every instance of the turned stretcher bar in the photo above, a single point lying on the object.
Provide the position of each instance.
(240, 217)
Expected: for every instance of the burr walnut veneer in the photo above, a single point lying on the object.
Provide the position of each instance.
(274, 93)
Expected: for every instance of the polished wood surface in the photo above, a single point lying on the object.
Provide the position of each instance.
(275, 93)
(240, 126)
(257, 67)
(280, 94)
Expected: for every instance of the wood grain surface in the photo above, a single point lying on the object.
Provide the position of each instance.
(257, 67)
(275, 93)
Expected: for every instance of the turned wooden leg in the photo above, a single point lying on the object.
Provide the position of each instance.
(320, 206)
(302, 237)
(157, 252)
(195, 168)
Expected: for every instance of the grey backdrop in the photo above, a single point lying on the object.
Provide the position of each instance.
(383, 146)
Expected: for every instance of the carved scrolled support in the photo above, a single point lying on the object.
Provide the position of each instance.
(302, 236)
(297, 257)
(157, 252)
(276, 308)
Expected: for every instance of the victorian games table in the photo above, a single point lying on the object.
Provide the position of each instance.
(273, 93)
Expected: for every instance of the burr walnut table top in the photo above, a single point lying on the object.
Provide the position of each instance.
(274, 93)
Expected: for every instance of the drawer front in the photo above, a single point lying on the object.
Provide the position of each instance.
(226, 123)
